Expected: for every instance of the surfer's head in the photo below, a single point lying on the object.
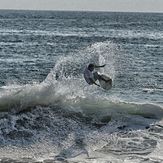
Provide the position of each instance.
(91, 67)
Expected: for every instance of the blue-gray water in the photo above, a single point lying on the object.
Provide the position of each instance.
(67, 120)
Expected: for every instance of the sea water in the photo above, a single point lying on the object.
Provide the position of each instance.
(66, 120)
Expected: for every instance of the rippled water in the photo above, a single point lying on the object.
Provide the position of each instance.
(67, 120)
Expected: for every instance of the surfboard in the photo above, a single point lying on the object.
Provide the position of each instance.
(105, 84)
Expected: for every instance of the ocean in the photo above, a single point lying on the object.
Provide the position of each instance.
(66, 120)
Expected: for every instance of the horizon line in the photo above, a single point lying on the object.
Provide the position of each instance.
(69, 10)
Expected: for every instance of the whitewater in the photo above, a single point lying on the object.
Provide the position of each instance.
(66, 120)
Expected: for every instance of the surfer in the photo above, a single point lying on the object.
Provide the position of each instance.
(92, 76)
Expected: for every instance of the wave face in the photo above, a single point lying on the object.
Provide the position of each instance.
(66, 120)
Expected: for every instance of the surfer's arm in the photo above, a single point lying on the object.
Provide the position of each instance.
(99, 66)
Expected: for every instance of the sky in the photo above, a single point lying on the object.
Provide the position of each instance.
(85, 5)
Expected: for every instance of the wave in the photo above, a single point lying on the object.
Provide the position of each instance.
(59, 96)
(70, 92)
(69, 69)
(71, 124)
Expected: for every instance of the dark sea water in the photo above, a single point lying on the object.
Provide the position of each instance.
(66, 120)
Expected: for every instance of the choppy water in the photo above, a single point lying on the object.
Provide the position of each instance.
(66, 120)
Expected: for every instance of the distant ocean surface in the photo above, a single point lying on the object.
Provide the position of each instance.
(66, 120)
